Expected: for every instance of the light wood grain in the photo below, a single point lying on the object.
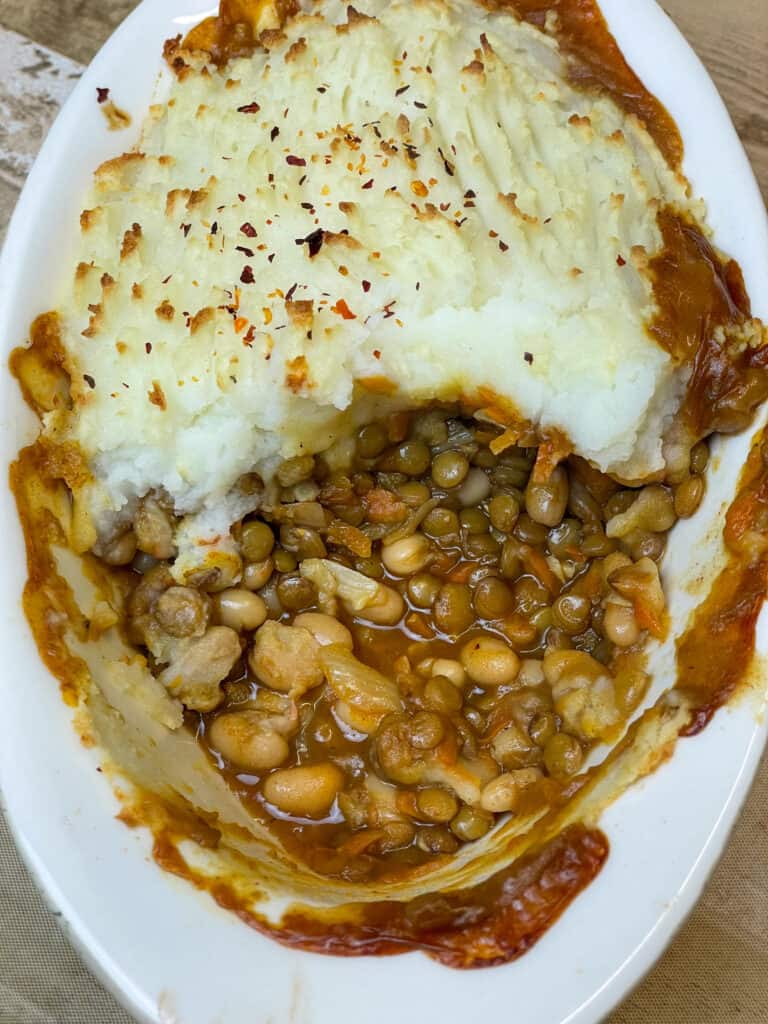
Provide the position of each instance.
(731, 37)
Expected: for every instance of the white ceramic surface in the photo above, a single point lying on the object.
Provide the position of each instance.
(167, 952)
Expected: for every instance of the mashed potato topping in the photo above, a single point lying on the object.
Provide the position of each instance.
(376, 210)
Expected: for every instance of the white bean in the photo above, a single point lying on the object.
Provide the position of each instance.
(489, 661)
(325, 629)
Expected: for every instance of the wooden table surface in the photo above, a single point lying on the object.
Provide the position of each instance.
(716, 971)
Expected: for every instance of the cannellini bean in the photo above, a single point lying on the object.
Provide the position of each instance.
(285, 658)
(407, 556)
(325, 629)
(531, 673)
(489, 661)
(306, 791)
(199, 666)
(239, 609)
(475, 489)
(386, 609)
(619, 623)
(449, 668)
(505, 792)
(242, 738)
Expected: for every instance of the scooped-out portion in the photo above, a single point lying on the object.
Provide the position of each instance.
(390, 359)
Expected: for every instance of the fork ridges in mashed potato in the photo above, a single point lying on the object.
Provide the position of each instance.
(385, 208)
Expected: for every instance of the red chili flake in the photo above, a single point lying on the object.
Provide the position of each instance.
(314, 240)
(420, 105)
(528, 357)
(343, 310)
(291, 292)
(102, 95)
(444, 206)
(307, 206)
(295, 161)
(401, 90)
(241, 197)
(249, 108)
(460, 222)
(89, 380)
(369, 183)
(185, 228)
(245, 250)
(167, 279)
(274, 133)
(387, 311)
(214, 227)
(247, 275)
(376, 132)
(270, 257)
(429, 70)
(248, 229)
(377, 353)
(493, 234)
(503, 246)
(366, 286)
(621, 261)
(418, 285)
(322, 88)
(470, 194)
(148, 347)
(249, 336)
(302, 179)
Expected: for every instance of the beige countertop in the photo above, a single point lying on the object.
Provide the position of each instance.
(716, 970)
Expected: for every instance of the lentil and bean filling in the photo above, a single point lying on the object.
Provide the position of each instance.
(431, 637)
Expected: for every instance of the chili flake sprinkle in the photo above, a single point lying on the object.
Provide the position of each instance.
(249, 108)
(295, 161)
(102, 95)
(248, 229)
(247, 275)
(343, 310)
(314, 240)
(89, 380)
